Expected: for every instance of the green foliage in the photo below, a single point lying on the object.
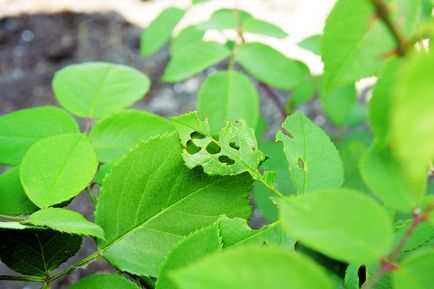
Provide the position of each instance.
(104, 281)
(335, 227)
(257, 26)
(415, 271)
(312, 43)
(57, 168)
(253, 267)
(314, 162)
(21, 129)
(228, 96)
(158, 32)
(96, 90)
(338, 103)
(36, 252)
(186, 37)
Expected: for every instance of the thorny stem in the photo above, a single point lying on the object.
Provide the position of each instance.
(388, 264)
(80, 263)
(383, 13)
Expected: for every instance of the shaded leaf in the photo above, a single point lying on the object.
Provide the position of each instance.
(338, 103)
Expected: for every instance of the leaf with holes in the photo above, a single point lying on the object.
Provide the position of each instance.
(314, 162)
(19, 130)
(36, 252)
(114, 136)
(58, 168)
(150, 201)
(65, 221)
(97, 89)
(236, 150)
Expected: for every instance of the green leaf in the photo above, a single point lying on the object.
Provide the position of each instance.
(421, 236)
(103, 170)
(353, 47)
(20, 129)
(415, 271)
(342, 224)
(412, 126)
(114, 136)
(104, 281)
(225, 19)
(150, 201)
(270, 66)
(65, 221)
(312, 43)
(97, 89)
(13, 226)
(36, 252)
(221, 235)
(304, 91)
(228, 96)
(254, 268)
(235, 151)
(193, 59)
(57, 168)
(13, 199)
(159, 31)
(256, 26)
(381, 101)
(351, 280)
(384, 176)
(314, 161)
(186, 37)
(338, 103)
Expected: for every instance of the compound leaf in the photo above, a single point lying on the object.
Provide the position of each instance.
(192, 59)
(314, 162)
(97, 89)
(158, 32)
(36, 252)
(342, 224)
(114, 136)
(254, 268)
(19, 130)
(150, 201)
(236, 150)
(65, 221)
(57, 168)
(228, 95)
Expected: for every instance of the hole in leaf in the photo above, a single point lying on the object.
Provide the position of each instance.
(362, 275)
(226, 160)
(213, 148)
(234, 145)
(197, 135)
(192, 148)
(300, 164)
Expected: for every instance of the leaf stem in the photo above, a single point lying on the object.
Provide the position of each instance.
(79, 264)
(22, 278)
(90, 194)
(11, 218)
(383, 13)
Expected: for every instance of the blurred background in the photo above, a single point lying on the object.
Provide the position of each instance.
(38, 37)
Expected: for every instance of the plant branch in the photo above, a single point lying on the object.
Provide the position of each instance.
(11, 218)
(22, 278)
(79, 264)
(274, 97)
(383, 13)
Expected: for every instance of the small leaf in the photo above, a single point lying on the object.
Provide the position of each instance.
(193, 59)
(114, 136)
(342, 224)
(314, 162)
(13, 199)
(158, 32)
(351, 280)
(235, 151)
(338, 103)
(36, 252)
(415, 271)
(150, 201)
(20, 129)
(228, 95)
(97, 89)
(412, 118)
(384, 176)
(256, 26)
(253, 268)
(270, 66)
(225, 19)
(312, 43)
(104, 281)
(187, 36)
(57, 168)
(65, 221)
